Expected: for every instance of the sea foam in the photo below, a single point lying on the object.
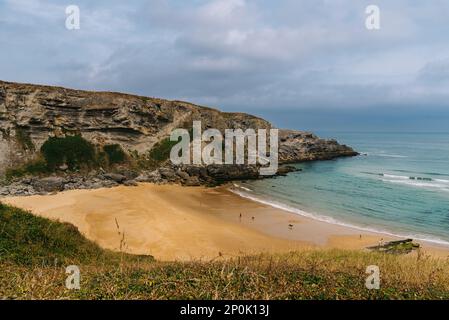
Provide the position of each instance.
(326, 219)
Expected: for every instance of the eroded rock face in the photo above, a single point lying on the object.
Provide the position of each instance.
(134, 122)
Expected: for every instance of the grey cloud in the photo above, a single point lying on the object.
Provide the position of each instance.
(236, 54)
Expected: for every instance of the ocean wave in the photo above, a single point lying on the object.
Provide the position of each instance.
(424, 173)
(242, 187)
(326, 219)
(385, 155)
(416, 181)
(393, 176)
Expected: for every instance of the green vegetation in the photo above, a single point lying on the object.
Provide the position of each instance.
(115, 153)
(397, 247)
(29, 246)
(74, 151)
(29, 240)
(35, 167)
(161, 150)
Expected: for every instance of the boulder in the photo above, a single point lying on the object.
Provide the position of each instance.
(229, 172)
(153, 177)
(168, 173)
(119, 178)
(196, 171)
(283, 170)
(143, 178)
(49, 184)
(130, 183)
(183, 175)
(192, 182)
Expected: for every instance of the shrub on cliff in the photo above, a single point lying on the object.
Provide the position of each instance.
(115, 153)
(74, 151)
(161, 150)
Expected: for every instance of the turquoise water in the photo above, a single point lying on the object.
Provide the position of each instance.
(400, 186)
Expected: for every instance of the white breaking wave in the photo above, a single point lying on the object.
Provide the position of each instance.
(422, 182)
(242, 187)
(326, 219)
(386, 155)
(396, 177)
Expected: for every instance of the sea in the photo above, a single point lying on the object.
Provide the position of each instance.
(399, 185)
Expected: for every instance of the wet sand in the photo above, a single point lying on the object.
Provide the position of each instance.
(172, 222)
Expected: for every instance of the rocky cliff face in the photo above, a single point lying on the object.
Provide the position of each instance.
(29, 114)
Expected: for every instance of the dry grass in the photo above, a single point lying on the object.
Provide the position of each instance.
(312, 274)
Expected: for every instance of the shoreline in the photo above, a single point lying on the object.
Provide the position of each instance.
(172, 222)
(325, 219)
(328, 235)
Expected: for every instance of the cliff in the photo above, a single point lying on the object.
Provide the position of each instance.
(30, 114)
(137, 123)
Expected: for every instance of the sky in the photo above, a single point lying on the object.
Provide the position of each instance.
(303, 64)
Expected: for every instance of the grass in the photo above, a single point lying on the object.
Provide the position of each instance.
(28, 240)
(29, 246)
(35, 167)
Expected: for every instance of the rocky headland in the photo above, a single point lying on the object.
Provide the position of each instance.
(31, 114)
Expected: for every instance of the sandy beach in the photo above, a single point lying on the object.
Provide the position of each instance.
(173, 222)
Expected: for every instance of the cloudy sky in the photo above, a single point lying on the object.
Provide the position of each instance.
(308, 64)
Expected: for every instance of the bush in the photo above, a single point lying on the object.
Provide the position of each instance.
(115, 153)
(74, 151)
(161, 150)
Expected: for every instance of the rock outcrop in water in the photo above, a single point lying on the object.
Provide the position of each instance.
(30, 114)
(300, 146)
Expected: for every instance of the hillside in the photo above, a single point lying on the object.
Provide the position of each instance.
(29, 246)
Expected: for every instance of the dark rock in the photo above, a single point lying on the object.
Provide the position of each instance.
(284, 170)
(153, 176)
(183, 175)
(168, 173)
(119, 178)
(130, 183)
(230, 172)
(192, 182)
(129, 174)
(397, 247)
(49, 184)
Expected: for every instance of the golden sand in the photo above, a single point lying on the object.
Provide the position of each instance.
(172, 222)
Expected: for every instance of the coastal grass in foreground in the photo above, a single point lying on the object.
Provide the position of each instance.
(34, 253)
